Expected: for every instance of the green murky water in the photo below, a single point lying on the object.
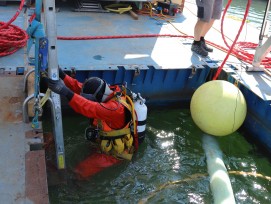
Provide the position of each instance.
(172, 152)
(256, 11)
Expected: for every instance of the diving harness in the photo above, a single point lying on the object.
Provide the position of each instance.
(121, 143)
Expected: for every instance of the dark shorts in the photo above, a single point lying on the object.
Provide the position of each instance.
(209, 9)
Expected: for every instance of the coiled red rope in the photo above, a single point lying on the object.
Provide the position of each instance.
(231, 48)
(237, 49)
(12, 38)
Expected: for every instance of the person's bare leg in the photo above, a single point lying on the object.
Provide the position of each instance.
(206, 27)
(196, 45)
(204, 31)
(200, 29)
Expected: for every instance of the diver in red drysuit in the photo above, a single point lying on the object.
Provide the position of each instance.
(93, 99)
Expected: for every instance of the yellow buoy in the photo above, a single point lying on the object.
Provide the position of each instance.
(218, 108)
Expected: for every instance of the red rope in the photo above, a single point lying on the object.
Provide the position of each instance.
(120, 36)
(238, 49)
(12, 38)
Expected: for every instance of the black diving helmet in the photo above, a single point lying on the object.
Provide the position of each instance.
(95, 89)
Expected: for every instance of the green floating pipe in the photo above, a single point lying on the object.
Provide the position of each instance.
(219, 178)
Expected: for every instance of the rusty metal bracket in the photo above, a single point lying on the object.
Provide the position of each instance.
(26, 78)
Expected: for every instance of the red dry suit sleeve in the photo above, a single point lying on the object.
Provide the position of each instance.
(73, 84)
(112, 112)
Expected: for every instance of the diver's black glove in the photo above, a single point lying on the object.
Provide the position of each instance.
(59, 87)
(61, 73)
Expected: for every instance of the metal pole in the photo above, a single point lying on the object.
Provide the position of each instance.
(263, 48)
(264, 23)
(51, 32)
